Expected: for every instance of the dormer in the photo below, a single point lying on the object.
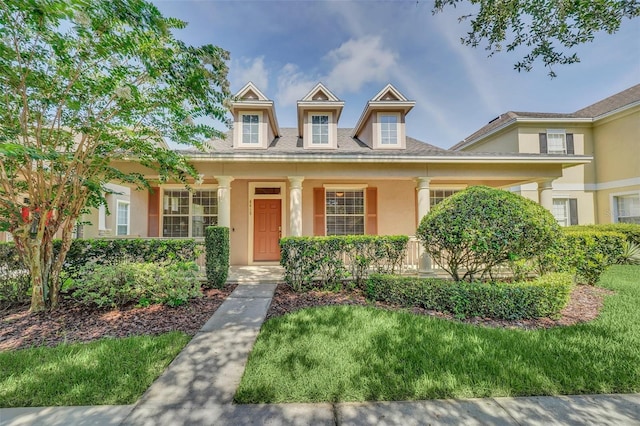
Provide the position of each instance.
(254, 119)
(382, 123)
(318, 115)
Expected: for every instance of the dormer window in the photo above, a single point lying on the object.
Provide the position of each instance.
(319, 129)
(389, 129)
(250, 129)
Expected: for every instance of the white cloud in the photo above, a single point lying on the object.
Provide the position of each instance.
(359, 61)
(250, 69)
(354, 63)
(293, 84)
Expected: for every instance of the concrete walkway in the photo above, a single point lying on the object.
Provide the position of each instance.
(198, 388)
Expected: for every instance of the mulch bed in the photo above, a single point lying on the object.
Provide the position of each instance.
(584, 305)
(77, 323)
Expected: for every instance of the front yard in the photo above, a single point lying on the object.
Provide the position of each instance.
(357, 353)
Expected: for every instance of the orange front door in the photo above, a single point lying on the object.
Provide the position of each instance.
(266, 230)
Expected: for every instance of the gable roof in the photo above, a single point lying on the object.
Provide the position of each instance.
(387, 100)
(320, 93)
(250, 92)
(622, 100)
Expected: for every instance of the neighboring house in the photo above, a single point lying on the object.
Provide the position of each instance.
(265, 182)
(607, 190)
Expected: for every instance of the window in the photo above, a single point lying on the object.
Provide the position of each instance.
(556, 142)
(345, 212)
(565, 211)
(320, 129)
(186, 214)
(627, 208)
(389, 129)
(250, 128)
(438, 195)
(122, 218)
(561, 211)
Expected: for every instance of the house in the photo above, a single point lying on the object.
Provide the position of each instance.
(320, 178)
(606, 190)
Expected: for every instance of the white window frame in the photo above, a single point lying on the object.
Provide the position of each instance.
(345, 188)
(561, 132)
(313, 127)
(119, 216)
(190, 214)
(615, 216)
(239, 131)
(566, 221)
(381, 129)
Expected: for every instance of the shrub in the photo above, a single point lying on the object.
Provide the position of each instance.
(631, 231)
(14, 279)
(129, 282)
(217, 248)
(586, 253)
(480, 228)
(110, 252)
(330, 260)
(543, 297)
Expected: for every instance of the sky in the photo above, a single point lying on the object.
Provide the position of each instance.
(356, 47)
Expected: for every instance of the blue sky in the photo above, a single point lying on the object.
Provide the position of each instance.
(356, 47)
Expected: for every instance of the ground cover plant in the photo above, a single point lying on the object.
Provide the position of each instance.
(107, 371)
(358, 353)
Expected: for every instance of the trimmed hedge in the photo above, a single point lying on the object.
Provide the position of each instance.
(217, 246)
(131, 282)
(586, 253)
(543, 297)
(331, 260)
(631, 231)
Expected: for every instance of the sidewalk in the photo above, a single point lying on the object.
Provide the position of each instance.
(198, 388)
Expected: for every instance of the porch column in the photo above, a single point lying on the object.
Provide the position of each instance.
(295, 205)
(424, 205)
(224, 200)
(545, 194)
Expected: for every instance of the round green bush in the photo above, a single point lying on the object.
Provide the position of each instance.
(479, 228)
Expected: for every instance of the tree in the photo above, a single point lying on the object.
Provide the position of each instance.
(86, 83)
(479, 228)
(545, 27)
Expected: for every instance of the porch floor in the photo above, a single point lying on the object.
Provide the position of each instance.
(255, 274)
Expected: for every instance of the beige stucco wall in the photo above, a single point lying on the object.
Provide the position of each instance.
(604, 201)
(617, 147)
(503, 141)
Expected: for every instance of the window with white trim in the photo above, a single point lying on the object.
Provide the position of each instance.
(627, 208)
(388, 129)
(345, 213)
(438, 195)
(556, 142)
(250, 129)
(186, 214)
(320, 129)
(560, 211)
(122, 217)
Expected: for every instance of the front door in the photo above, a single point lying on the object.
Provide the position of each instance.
(266, 230)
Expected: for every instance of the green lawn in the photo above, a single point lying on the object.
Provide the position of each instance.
(361, 353)
(108, 371)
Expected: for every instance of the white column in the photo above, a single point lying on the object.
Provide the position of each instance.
(224, 200)
(545, 194)
(424, 197)
(424, 205)
(295, 205)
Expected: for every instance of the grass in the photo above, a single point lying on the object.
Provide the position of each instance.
(362, 353)
(107, 371)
